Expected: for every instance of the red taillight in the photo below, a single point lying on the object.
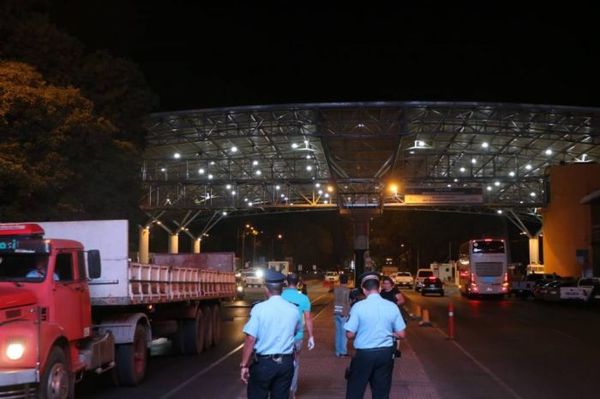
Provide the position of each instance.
(431, 278)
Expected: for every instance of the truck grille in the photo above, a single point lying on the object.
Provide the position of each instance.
(488, 269)
(18, 391)
(13, 314)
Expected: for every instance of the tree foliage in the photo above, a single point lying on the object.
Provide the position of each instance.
(58, 160)
(70, 123)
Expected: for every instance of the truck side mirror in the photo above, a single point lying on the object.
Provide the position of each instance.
(93, 260)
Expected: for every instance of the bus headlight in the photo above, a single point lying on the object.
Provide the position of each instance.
(240, 288)
(15, 350)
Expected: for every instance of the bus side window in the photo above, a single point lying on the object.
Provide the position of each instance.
(64, 267)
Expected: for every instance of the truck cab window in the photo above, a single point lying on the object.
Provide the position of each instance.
(64, 267)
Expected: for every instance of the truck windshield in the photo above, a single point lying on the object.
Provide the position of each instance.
(27, 267)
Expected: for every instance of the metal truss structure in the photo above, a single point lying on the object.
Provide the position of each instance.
(361, 155)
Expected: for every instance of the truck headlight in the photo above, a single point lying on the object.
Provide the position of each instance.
(260, 273)
(15, 350)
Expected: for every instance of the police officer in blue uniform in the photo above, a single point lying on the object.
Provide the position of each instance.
(373, 324)
(270, 334)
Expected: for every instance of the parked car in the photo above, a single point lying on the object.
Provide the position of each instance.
(432, 285)
(551, 291)
(523, 288)
(404, 279)
(594, 284)
(332, 277)
(422, 274)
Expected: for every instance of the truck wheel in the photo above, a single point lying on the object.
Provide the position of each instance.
(208, 325)
(193, 334)
(216, 324)
(132, 359)
(57, 381)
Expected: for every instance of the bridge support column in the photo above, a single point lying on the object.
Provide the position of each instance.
(361, 219)
(144, 245)
(174, 243)
(197, 245)
(534, 249)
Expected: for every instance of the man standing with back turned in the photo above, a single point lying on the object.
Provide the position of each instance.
(341, 309)
(373, 324)
(270, 332)
(302, 302)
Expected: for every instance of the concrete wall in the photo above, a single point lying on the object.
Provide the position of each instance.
(567, 223)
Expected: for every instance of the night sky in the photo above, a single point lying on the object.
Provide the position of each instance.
(213, 54)
(208, 54)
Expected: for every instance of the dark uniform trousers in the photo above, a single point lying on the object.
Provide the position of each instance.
(268, 375)
(372, 366)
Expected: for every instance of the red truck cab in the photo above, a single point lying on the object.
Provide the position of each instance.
(45, 310)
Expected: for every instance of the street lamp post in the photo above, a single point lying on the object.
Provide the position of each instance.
(273, 253)
(243, 256)
(246, 231)
(253, 249)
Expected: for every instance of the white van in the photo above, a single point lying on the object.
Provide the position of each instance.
(420, 277)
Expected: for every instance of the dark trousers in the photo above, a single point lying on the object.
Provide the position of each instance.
(374, 367)
(270, 377)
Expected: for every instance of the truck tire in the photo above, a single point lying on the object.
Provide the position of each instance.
(216, 324)
(132, 359)
(57, 381)
(193, 334)
(208, 325)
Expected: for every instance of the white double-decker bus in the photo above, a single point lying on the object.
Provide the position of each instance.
(482, 267)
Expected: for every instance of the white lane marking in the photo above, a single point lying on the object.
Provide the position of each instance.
(200, 373)
(324, 306)
(213, 365)
(486, 370)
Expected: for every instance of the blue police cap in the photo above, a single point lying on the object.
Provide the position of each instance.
(273, 277)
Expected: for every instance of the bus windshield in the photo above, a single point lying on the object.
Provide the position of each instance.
(488, 247)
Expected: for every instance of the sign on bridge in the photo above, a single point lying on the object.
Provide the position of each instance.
(439, 196)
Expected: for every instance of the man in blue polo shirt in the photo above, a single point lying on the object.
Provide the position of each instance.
(292, 295)
(373, 324)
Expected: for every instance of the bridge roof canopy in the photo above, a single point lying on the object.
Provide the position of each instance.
(361, 155)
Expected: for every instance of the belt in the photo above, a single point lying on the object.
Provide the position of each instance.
(275, 355)
(383, 348)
